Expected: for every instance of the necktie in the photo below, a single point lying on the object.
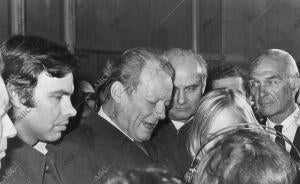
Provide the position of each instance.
(279, 139)
(51, 173)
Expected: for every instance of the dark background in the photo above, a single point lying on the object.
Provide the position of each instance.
(230, 31)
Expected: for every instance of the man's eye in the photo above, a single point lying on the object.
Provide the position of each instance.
(190, 88)
(58, 97)
(274, 82)
(253, 84)
(152, 103)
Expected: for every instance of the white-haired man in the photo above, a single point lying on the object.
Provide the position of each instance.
(273, 85)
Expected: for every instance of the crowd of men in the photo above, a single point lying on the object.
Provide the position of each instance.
(148, 101)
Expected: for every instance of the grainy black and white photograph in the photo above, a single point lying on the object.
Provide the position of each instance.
(149, 92)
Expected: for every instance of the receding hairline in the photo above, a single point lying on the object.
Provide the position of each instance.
(278, 56)
(154, 66)
(1, 64)
(181, 53)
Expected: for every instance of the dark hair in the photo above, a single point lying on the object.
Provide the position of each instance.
(225, 71)
(25, 57)
(1, 64)
(127, 70)
(246, 156)
(221, 72)
(143, 175)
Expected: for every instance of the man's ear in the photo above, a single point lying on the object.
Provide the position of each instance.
(14, 97)
(295, 85)
(117, 91)
(203, 87)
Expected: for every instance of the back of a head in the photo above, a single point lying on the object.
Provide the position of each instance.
(246, 157)
(149, 174)
(210, 106)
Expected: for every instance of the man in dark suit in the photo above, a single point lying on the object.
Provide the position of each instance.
(273, 85)
(189, 84)
(135, 91)
(39, 80)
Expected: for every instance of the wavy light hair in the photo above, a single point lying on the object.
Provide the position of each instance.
(210, 106)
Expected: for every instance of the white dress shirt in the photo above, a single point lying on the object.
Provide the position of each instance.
(179, 124)
(103, 115)
(290, 125)
(41, 147)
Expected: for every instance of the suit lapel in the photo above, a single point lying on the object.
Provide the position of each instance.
(137, 148)
(117, 139)
(296, 142)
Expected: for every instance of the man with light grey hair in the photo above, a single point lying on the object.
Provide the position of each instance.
(189, 85)
(273, 85)
(135, 90)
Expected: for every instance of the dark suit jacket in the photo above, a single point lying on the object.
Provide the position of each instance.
(24, 164)
(293, 151)
(97, 148)
(296, 142)
(174, 142)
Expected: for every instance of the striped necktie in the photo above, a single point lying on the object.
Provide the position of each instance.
(279, 139)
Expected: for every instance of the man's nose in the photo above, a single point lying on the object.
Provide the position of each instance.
(9, 129)
(181, 97)
(68, 109)
(161, 112)
(262, 91)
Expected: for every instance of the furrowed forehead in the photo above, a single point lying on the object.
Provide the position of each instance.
(186, 77)
(269, 65)
(265, 75)
(154, 82)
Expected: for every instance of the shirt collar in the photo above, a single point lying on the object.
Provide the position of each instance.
(292, 118)
(41, 147)
(179, 124)
(107, 118)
